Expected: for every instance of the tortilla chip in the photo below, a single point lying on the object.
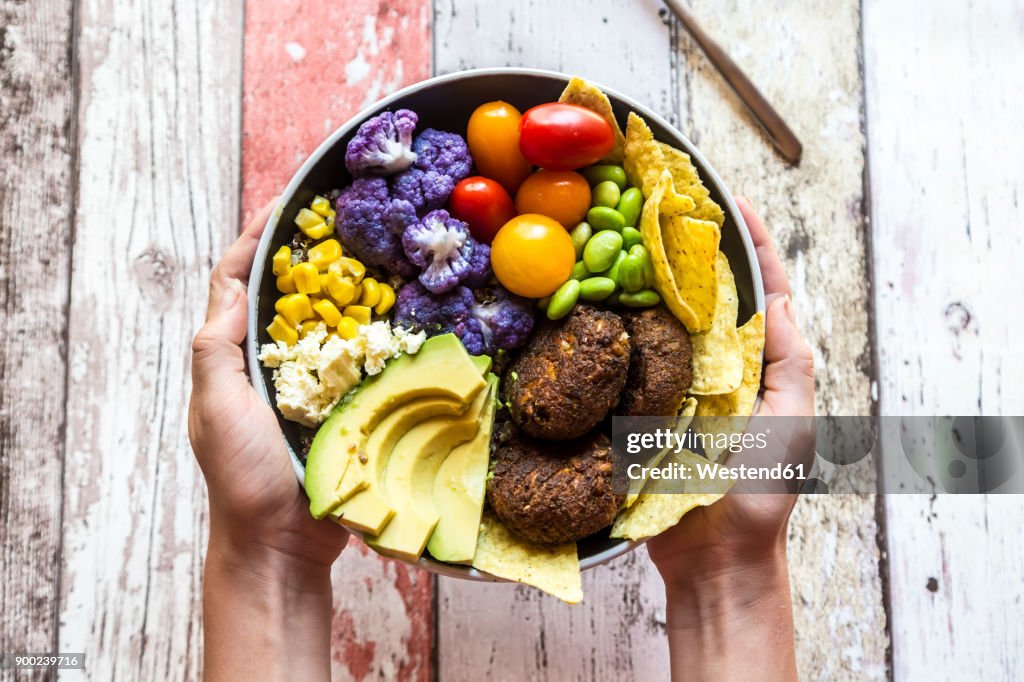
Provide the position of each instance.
(644, 160)
(553, 569)
(717, 354)
(691, 248)
(688, 182)
(686, 412)
(718, 413)
(657, 511)
(580, 92)
(664, 281)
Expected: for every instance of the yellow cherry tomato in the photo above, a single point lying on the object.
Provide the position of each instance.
(532, 255)
(493, 139)
(562, 195)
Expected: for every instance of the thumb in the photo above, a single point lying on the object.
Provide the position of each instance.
(217, 357)
(789, 369)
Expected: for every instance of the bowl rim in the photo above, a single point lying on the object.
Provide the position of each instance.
(256, 275)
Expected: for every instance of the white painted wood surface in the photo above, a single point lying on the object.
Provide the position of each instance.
(947, 174)
(816, 214)
(158, 126)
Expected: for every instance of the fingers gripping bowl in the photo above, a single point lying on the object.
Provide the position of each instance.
(446, 103)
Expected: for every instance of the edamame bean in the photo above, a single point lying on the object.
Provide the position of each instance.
(631, 237)
(604, 218)
(605, 194)
(612, 273)
(641, 299)
(630, 204)
(631, 274)
(640, 252)
(579, 271)
(596, 288)
(614, 298)
(602, 173)
(563, 300)
(542, 303)
(601, 250)
(580, 235)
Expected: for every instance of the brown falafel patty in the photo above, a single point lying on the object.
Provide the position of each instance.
(550, 492)
(660, 366)
(570, 375)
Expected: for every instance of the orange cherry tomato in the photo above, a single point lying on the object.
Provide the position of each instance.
(532, 255)
(562, 195)
(493, 138)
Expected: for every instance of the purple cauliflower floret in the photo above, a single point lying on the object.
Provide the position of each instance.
(502, 321)
(441, 245)
(444, 152)
(479, 273)
(370, 225)
(425, 190)
(382, 145)
(401, 214)
(417, 308)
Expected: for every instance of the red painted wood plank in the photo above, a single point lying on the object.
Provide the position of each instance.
(308, 67)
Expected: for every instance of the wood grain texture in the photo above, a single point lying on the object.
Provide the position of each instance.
(805, 57)
(947, 205)
(497, 631)
(35, 245)
(816, 214)
(309, 67)
(159, 120)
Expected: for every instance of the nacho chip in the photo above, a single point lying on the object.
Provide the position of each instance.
(688, 182)
(580, 92)
(553, 569)
(658, 510)
(686, 412)
(718, 413)
(644, 160)
(717, 354)
(691, 248)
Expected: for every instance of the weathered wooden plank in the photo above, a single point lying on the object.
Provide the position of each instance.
(496, 631)
(946, 202)
(805, 57)
(36, 177)
(833, 551)
(158, 123)
(308, 68)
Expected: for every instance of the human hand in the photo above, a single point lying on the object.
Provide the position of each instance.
(724, 566)
(259, 515)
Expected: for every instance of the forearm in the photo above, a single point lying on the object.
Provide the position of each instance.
(732, 623)
(265, 616)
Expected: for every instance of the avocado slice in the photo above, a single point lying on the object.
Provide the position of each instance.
(425, 446)
(370, 510)
(456, 493)
(342, 438)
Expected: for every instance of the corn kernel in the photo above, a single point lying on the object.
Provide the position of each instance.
(312, 225)
(360, 313)
(348, 328)
(328, 312)
(371, 293)
(295, 308)
(387, 299)
(307, 279)
(308, 326)
(321, 206)
(283, 261)
(350, 268)
(280, 330)
(324, 253)
(286, 284)
(341, 290)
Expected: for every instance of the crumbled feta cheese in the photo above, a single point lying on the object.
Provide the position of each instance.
(311, 376)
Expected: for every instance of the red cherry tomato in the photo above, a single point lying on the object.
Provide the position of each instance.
(560, 136)
(484, 205)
